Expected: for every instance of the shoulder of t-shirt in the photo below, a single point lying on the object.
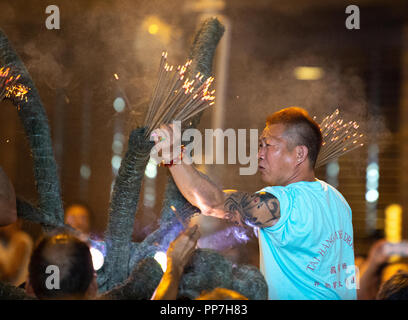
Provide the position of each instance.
(334, 190)
(338, 193)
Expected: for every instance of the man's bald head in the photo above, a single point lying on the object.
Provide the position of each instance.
(300, 130)
(74, 262)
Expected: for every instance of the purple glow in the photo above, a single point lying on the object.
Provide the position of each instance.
(224, 239)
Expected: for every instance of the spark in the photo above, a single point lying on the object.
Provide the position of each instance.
(9, 88)
(178, 216)
(18, 92)
(121, 90)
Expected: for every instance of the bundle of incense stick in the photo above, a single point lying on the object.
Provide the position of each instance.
(9, 88)
(176, 97)
(339, 138)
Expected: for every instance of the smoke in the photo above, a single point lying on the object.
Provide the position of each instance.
(267, 87)
(225, 239)
(44, 61)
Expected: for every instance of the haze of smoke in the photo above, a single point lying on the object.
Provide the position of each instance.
(276, 87)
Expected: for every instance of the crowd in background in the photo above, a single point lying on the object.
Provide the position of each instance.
(23, 264)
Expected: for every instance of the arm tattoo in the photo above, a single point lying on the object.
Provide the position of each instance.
(255, 210)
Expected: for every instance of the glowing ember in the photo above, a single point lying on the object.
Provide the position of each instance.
(9, 88)
(339, 138)
(17, 92)
(176, 97)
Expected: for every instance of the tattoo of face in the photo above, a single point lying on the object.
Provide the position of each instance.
(254, 210)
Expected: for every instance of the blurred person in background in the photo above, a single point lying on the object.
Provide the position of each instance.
(72, 276)
(221, 294)
(395, 288)
(15, 250)
(78, 216)
(377, 269)
(8, 211)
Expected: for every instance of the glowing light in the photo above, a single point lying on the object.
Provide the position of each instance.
(372, 171)
(85, 171)
(119, 136)
(119, 104)
(97, 258)
(372, 184)
(9, 88)
(393, 219)
(161, 258)
(117, 146)
(333, 169)
(116, 161)
(372, 195)
(162, 31)
(308, 73)
(151, 169)
(372, 179)
(17, 91)
(153, 28)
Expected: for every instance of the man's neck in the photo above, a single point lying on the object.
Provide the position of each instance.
(308, 176)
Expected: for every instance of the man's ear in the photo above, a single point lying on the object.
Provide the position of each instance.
(301, 154)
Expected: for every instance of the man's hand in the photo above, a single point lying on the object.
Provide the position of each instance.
(167, 140)
(371, 271)
(181, 249)
(178, 255)
(377, 256)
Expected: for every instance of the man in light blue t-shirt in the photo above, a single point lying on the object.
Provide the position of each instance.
(305, 226)
(308, 253)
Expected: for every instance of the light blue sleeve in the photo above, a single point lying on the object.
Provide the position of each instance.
(285, 205)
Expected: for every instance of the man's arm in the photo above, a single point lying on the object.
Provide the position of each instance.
(8, 211)
(255, 210)
(246, 209)
(259, 209)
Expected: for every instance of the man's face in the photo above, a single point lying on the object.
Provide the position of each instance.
(78, 218)
(276, 162)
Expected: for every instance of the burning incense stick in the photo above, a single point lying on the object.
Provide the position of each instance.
(176, 97)
(339, 138)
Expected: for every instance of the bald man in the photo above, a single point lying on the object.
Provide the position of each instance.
(304, 224)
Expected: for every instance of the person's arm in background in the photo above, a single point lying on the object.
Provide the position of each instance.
(178, 255)
(14, 258)
(8, 211)
(371, 271)
(256, 210)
